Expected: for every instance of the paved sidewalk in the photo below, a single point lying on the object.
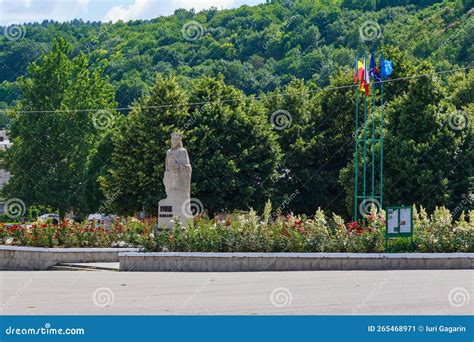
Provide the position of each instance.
(435, 292)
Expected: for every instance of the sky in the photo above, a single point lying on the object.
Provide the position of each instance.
(23, 11)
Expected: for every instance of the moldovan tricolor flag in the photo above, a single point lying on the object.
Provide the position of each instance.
(365, 79)
(359, 76)
(358, 70)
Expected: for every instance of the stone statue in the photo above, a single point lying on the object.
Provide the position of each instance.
(177, 178)
(177, 181)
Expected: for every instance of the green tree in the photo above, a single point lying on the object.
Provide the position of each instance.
(461, 89)
(420, 145)
(289, 111)
(334, 146)
(232, 147)
(51, 138)
(134, 181)
(97, 166)
(233, 152)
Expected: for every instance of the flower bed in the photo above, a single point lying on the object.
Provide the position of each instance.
(69, 234)
(251, 233)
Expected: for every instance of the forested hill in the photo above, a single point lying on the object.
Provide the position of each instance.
(256, 48)
(293, 143)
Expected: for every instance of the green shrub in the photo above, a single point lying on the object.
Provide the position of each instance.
(251, 233)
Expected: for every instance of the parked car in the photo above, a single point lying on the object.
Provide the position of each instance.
(105, 220)
(54, 218)
(95, 217)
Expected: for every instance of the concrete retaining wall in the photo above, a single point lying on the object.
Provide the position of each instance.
(36, 258)
(243, 262)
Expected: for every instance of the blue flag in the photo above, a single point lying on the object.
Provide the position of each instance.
(385, 67)
(373, 71)
(372, 66)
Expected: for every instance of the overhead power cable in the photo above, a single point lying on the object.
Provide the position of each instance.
(192, 104)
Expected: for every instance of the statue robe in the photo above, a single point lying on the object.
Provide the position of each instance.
(177, 179)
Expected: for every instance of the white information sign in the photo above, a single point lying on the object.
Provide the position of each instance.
(392, 221)
(399, 220)
(405, 220)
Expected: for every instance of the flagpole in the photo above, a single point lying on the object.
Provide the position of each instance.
(365, 139)
(356, 159)
(373, 139)
(381, 137)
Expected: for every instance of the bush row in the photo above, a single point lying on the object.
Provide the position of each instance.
(252, 233)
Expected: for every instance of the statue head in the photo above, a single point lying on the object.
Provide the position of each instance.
(176, 140)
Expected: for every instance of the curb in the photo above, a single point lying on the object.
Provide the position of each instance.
(259, 262)
(18, 258)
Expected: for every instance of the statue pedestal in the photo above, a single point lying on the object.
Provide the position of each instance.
(174, 208)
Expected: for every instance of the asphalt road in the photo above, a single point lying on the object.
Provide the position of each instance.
(437, 292)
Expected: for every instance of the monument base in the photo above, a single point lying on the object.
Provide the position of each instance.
(170, 210)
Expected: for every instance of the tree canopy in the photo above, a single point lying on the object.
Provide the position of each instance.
(263, 95)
